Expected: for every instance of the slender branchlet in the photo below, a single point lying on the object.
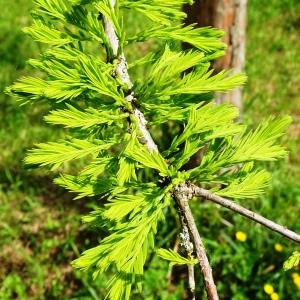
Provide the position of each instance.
(200, 192)
(192, 283)
(189, 222)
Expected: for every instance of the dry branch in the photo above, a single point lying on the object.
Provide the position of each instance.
(192, 285)
(200, 192)
(183, 203)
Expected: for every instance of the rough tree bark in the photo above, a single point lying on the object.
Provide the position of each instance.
(231, 16)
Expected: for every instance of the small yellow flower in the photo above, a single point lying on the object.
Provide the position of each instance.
(241, 236)
(296, 279)
(268, 288)
(274, 296)
(278, 247)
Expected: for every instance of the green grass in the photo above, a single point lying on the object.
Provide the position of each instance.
(273, 64)
(41, 231)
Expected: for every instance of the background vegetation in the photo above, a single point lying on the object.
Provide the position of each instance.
(40, 228)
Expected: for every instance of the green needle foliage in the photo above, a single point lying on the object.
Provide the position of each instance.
(292, 261)
(103, 135)
(175, 258)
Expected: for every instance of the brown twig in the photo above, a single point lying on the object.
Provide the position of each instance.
(192, 285)
(185, 211)
(200, 192)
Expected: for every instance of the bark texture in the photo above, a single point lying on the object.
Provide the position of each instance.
(191, 190)
(231, 16)
(192, 284)
(183, 194)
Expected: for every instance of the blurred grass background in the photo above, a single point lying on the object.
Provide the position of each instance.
(40, 227)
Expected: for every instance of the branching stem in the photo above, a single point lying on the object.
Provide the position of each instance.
(122, 72)
(200, 192)
(183, 203)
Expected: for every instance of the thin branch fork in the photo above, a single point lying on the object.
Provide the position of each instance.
(185, 211)
(200, 192)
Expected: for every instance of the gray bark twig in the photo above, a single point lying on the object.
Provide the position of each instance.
(200, 192)
(183, 203)
(122, 72)
(188, 245)
(192, 285)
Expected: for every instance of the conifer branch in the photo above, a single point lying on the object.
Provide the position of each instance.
(72, 73)
(184, 193)
(122, 72)
(190, 189)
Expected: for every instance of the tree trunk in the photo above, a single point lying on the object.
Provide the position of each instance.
(229, 15)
